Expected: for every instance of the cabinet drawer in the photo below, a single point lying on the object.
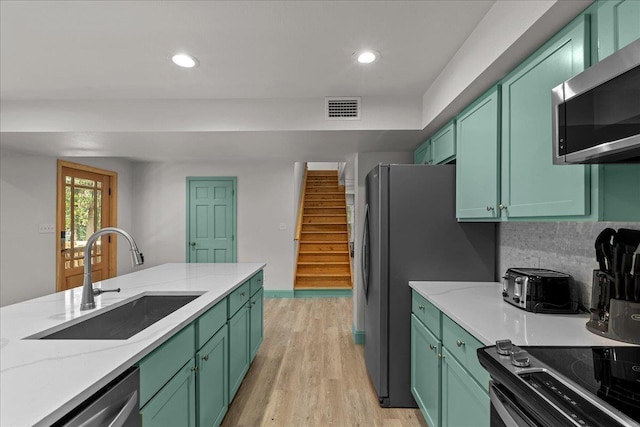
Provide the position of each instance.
(443, 145)
(157, 368)
(463, 346)
(427, 313)
(256, 282)
(211, 322)
(238, 298)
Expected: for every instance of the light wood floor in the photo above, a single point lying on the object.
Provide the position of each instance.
(309, 372)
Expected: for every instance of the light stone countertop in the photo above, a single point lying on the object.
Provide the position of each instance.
(479, 308)
(42, 380)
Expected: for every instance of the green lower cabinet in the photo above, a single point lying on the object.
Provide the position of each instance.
(212, 380)
(464, 402)
(257, 324)
(175, 404)
(239, 348)
(425, 371)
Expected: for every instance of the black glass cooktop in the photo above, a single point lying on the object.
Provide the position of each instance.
(610, 373)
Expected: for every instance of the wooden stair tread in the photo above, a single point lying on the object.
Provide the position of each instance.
(323, 288)
(342, 215)
(322, 252)
(323, 262)
(323, 275)
(324, 232)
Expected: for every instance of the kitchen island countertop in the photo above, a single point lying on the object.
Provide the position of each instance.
(42, 380)
(479, 308)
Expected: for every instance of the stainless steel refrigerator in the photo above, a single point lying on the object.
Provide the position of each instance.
(411, 233)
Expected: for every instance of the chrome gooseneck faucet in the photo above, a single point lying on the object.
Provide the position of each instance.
(87, 285)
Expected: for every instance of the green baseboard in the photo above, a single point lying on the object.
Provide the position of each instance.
(278, 294)
(310, 293)
(323, 293)
(358, 336)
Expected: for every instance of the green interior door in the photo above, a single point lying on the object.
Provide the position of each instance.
(211, 227)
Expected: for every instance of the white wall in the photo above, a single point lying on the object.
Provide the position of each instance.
(27, 199)
(265, 198)
(365, 162)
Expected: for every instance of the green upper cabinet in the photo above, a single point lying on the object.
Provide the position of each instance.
(618, 25)
(531, 185)
(478, 160)
(422, 155)
(440, 149)
(443, 145)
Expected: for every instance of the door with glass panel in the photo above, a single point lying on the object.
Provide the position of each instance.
(85, 199)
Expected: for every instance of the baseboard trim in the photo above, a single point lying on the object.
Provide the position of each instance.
(323, 293)
(310, 293)
(358, 336)
(278, 294)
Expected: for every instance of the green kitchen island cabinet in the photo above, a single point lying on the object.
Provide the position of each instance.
(212, 380)
(175, 403)
(191, 379)
(445, 373)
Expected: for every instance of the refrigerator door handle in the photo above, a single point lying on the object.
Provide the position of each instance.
(365, 252)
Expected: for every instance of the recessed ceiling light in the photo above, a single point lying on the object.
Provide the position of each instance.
(366, 56)
(184, 60)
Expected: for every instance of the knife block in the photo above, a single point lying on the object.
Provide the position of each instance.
(612, 318)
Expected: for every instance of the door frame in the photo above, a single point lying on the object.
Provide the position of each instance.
(234, 216)
(113, 214)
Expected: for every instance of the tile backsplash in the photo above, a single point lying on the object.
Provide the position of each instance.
(562, 246)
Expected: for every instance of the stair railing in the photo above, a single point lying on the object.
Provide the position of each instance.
(301, 205)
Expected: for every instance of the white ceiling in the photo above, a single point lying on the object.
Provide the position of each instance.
(110, 51)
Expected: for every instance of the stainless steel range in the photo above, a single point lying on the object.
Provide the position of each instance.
(563, 386)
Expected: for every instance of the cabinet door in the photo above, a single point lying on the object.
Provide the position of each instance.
(425, 371)
(618, 25)
(175, 404)
(443, 145)
(464, 402)
(238, 349)
(422, 155)
(477, 177)
(531, 185)
(256, 311)
(213, 380)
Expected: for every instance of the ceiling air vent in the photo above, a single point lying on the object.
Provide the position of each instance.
(342, 108)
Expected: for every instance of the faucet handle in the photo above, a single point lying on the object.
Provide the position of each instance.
(98, 291)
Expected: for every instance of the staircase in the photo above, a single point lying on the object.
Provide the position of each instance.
(323, 254)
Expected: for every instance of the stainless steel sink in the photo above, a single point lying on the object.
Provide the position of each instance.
(122, 322)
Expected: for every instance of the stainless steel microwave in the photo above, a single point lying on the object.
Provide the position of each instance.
(596, 114)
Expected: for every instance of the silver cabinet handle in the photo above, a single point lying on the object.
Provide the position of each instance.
(192, 243)
(431, 346)
(242, 294)
(460, 343)
(502, 207)
(205, 357)
(489, 208)
(194, 369)
(440, 356)
(421, 307)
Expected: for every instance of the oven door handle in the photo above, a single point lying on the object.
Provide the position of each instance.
(510, 415)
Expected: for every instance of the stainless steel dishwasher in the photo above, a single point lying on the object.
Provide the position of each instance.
(115, 405)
